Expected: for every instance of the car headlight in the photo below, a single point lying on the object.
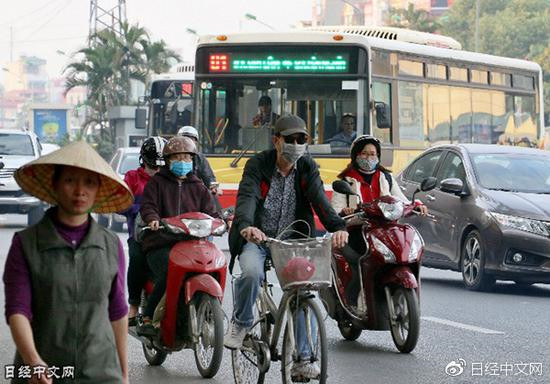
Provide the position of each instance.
(528, 225)
(389, 256)
(198, 228)
(392, 211)
(416, 247)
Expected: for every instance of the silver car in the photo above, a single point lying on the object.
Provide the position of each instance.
(491, 211)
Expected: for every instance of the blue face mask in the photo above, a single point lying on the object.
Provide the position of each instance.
(181, 168)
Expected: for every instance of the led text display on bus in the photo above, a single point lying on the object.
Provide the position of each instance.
(281, 60)
(295, 62)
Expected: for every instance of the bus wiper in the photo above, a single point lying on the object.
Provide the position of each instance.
(241, 154)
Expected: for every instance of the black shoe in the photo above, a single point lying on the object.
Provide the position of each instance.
(146, 329)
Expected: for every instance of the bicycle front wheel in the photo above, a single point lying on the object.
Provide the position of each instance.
(304, 353)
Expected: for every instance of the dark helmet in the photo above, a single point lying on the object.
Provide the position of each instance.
(360, 142)
(179, 144)
(151, 152)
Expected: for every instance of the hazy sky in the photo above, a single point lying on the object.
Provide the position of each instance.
(41, 27)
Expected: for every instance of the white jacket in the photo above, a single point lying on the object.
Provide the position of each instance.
(340, 201)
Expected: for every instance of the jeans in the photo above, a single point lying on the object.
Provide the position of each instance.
(137, 271)
(158, 262)
(247, 287)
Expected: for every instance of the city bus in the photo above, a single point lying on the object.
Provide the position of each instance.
(410, 89)
(170, 101)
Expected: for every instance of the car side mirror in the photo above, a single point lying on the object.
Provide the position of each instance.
(383, 114)
(427, 184)
(140, 118)
(343, 187)
(1, 165)
(452, 185)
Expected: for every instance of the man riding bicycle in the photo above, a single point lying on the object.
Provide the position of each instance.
(278, 187)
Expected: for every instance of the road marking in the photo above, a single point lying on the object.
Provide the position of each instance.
(462, 326)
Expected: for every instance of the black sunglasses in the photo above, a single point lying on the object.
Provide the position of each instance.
(298, 138)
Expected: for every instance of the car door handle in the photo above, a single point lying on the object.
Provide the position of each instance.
(430, 197)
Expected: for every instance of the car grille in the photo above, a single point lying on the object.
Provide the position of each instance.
(6, 173)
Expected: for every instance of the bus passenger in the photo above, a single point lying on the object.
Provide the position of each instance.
(265, 114)
(347, 135)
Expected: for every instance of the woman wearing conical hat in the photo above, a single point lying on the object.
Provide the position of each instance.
(64, 276)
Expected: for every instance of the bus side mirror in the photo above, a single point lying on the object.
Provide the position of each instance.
(141, 118)
(383, 114)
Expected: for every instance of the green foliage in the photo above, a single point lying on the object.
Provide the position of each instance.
(106, 67)
(411, 18)
(511, 28)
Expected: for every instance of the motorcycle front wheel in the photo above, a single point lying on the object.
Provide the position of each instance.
(405, 327)
(209, 347)
(153, 355)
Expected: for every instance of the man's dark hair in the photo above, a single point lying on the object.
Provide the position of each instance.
(264, 100)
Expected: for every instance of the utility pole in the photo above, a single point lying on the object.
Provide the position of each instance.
(102, 17)
(476, 37)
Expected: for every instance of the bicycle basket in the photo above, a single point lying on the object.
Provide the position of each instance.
(302, 263)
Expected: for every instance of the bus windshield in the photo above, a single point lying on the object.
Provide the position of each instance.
(171, 106)
(238, 114)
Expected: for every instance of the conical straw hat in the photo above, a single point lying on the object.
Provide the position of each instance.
(35, 178)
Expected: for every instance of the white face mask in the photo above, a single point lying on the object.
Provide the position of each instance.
(292, 152)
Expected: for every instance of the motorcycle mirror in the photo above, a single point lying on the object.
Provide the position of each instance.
(342, 187)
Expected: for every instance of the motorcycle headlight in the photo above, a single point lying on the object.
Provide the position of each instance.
(174, 229)
(416, 247)
(528, 225)
(392, 211)
(198, 228)
(220, 230)
(389, 256)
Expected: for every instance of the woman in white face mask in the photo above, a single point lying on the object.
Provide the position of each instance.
(367, 177)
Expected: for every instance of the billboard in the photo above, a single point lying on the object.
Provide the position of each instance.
(50, 125)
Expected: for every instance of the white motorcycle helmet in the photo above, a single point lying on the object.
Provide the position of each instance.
(189, 131)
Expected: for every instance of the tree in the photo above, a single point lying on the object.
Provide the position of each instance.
(106, 69)
(411, 18)
(512, 28)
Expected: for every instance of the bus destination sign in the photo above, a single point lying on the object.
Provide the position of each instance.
(255, 62)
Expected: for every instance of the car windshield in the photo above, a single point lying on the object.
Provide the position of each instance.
(514, 173)
(18, 145)
(129, 161)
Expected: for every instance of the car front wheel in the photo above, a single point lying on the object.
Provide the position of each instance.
(473, 264)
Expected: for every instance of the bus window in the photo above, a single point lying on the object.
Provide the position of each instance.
(436, 71)
(411, 68)
(381, 92)
(482, 128)
(411, 114)
(479, 77)
(458, 74)
(438, 114)
(461, 113)
(234, 119)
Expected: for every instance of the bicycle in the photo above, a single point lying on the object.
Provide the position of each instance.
(302, 266)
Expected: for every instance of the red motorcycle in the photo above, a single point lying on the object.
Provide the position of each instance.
(389, 255)
(193, 316)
